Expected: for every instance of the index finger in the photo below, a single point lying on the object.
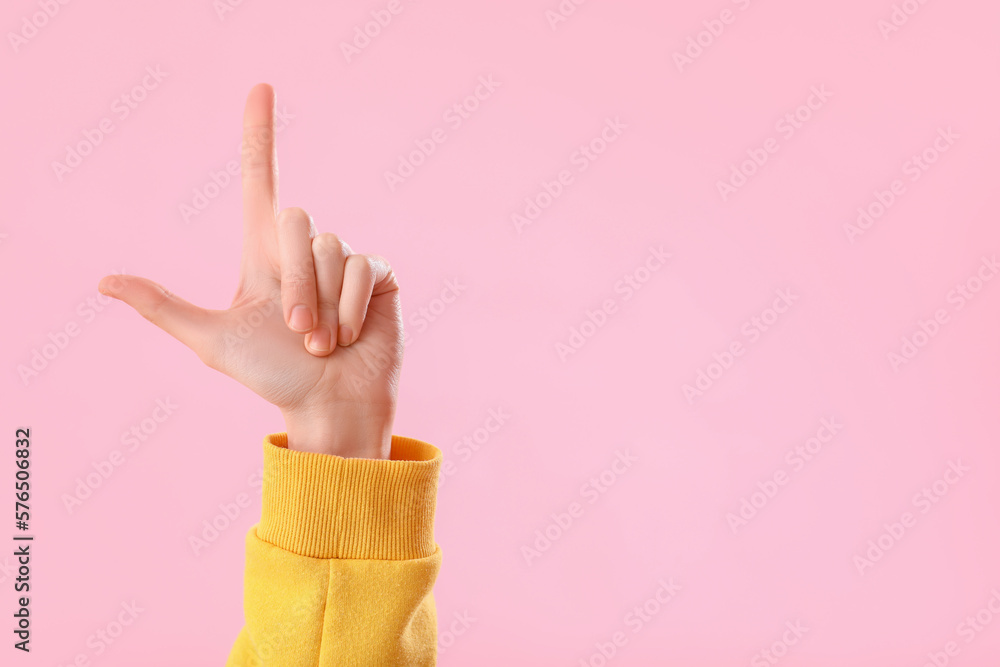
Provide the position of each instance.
(259, 169)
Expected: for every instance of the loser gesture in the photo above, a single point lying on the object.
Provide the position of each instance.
(313, 328)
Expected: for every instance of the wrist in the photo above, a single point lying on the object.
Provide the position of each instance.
(346, 434)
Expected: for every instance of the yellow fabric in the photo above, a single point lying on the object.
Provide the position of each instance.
(340, 569)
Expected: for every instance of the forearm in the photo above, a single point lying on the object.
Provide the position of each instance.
(350, 432)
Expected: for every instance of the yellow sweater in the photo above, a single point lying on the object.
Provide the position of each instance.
(341, 567)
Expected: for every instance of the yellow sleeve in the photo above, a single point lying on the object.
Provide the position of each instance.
(341, 567)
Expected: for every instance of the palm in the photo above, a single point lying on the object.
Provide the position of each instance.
(255, 347)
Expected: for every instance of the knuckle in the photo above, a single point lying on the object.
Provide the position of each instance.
(328, 305)
(297, 288)
(293, 216)
(380, 261)
(364, 265)
(258, 142)
(161, 297)
(257, 172)
(301, 270)
(258, 166)
(378, 265)
(329, 245)
(295, 281)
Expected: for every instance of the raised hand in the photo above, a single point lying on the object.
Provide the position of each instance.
(314, 328)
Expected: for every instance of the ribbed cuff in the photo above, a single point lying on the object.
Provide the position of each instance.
(327, 506)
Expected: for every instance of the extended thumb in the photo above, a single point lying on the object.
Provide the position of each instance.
(181, 319)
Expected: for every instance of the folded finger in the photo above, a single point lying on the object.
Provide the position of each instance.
(330, 255)
(298, 276)
(365, 276)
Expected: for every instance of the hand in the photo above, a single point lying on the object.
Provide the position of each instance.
(314, 329)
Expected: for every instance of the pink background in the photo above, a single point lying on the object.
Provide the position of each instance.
(494, 347)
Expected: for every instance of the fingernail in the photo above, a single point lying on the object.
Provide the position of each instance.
(301, 319)
(319, 340)
(345, 334)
